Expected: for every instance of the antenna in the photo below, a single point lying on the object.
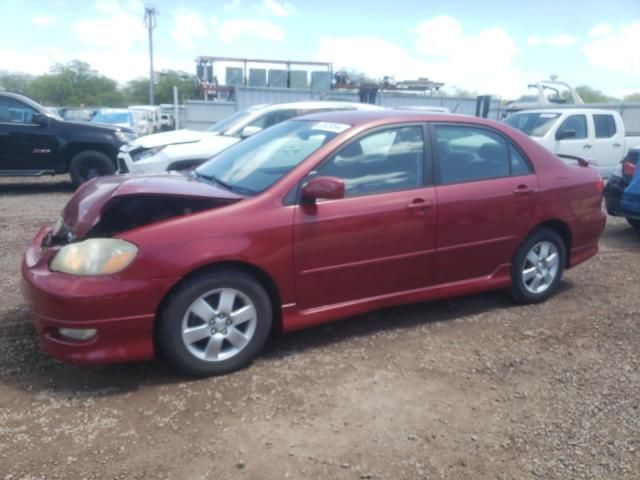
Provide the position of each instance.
(150, 23)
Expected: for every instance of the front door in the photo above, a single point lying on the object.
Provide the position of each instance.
(579, 144)
(25, 146)
(486, 199)
(380, 238)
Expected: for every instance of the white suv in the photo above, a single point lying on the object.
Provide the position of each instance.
(184, 149)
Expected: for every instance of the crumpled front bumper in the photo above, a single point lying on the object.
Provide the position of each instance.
(122, 311)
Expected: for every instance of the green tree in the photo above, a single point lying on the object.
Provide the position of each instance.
(137, 90)
(591, 95)
(634, 97)
(76, 83)
(16, 82)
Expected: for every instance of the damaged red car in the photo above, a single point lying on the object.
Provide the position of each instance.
(312, 220)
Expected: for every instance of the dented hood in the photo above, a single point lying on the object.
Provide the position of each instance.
(86, 206)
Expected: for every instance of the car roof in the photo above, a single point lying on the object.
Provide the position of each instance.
(362, 117)
(318, 104)
(565, 110)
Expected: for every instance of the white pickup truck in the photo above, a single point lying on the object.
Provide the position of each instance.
(597, 135)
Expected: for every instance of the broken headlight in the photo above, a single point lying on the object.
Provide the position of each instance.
(147, 153)
(95, 256)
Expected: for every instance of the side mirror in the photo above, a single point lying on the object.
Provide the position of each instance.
(40, 119)
(328, 188)
(562, 134)
(249, 130)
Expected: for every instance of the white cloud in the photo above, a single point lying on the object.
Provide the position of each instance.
(600, 30)
(481, 62)
(616, 51)
(117, 28)
(555, 41)
(279, 9)
(371, 55)
(232, 29)
(233, 5)
(43, 20)
(112, 7)
(189, 25)
(120, 31)
(445, 53)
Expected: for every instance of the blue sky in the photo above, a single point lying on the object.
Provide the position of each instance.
(493, 46)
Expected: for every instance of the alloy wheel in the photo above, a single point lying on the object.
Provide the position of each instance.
(219, 324)
(540, 268)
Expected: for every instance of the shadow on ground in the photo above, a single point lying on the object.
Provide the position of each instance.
(24, 366)
(621, 235)
(35, 187)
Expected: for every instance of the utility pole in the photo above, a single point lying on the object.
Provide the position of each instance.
(150, 23)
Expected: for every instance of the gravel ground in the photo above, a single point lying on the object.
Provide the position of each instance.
(468, 389)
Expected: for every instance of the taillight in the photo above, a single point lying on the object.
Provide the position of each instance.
(628, 168)
(600, 185)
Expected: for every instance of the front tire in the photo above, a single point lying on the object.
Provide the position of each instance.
(215, 323)
(634, 222)
(89, 164)
(537, 266)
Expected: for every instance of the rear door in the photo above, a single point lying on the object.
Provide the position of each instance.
(486, 192)
(24, 145)
(380, 238)
(608, 142)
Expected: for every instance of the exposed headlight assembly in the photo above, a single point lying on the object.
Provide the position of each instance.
(95, 256)
(148, 153)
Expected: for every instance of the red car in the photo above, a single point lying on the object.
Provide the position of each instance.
(312, 220)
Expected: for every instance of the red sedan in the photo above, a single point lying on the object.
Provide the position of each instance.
(310, 221)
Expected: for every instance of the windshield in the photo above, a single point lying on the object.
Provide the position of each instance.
(111, 117)
(228, 122)
(255, 164)
(535, 124)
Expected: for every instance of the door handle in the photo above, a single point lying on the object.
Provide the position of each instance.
(4, 134)
(419, 205)
(523, 190)
(586, 146)
(616, 145)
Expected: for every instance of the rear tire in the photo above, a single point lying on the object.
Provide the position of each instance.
(537, 266)
(89, 164)
(215, 323)
(634, 222)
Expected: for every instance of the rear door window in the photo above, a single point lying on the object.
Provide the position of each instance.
(605, 125)
(272, 118)
(467, 153)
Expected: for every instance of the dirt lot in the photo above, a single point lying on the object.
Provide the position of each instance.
(473, 388)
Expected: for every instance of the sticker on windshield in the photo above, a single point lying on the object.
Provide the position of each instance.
(330, 127)
(548, 115)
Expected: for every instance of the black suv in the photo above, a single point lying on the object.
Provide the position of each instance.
(34, 142)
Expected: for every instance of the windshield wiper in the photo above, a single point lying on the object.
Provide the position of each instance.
(231, 188)
(213, 179)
